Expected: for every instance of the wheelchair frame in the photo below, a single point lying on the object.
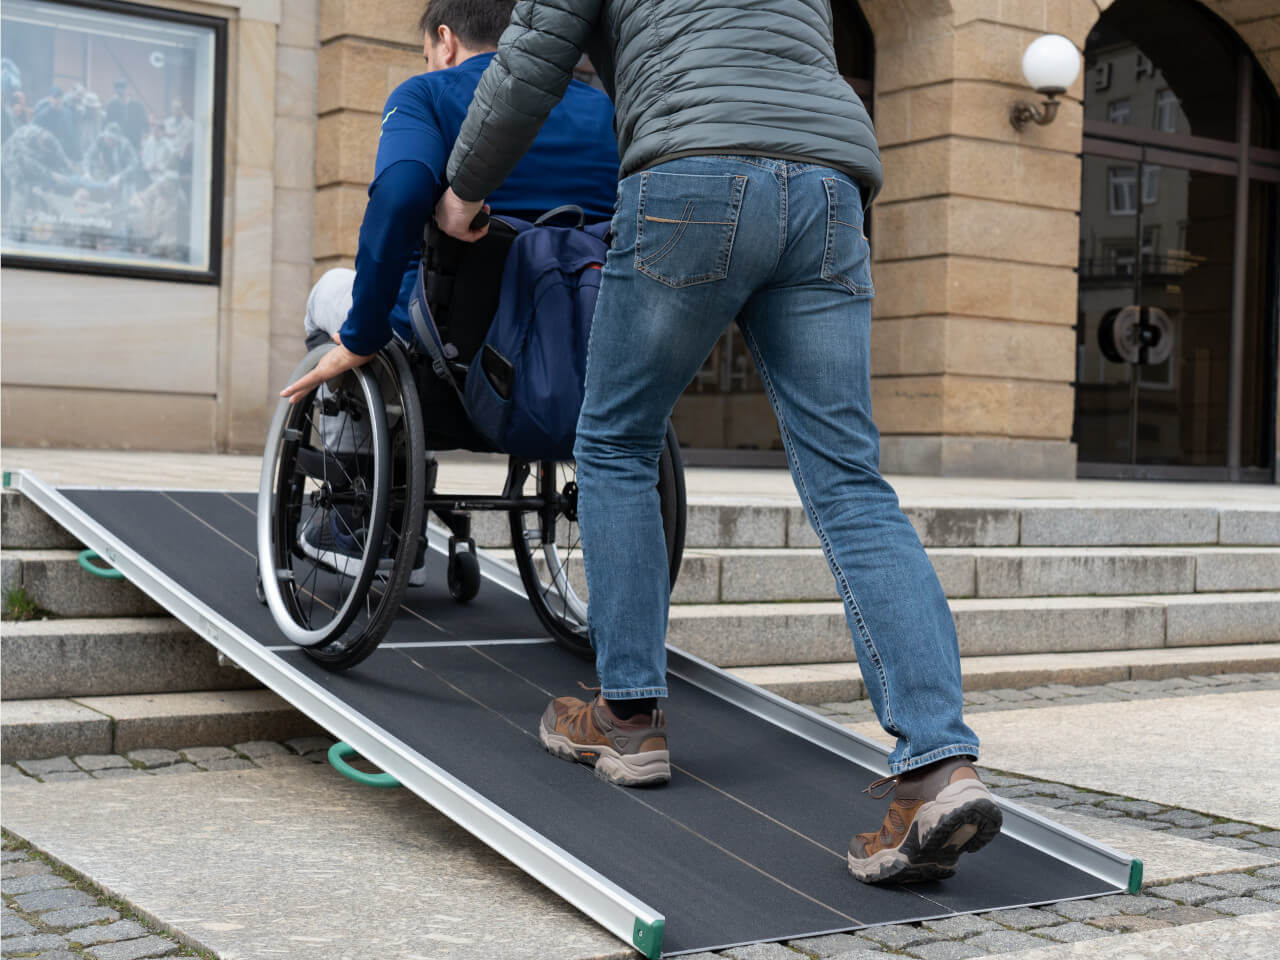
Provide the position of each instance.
(401, 493)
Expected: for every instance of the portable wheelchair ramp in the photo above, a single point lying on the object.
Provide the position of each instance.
(746, 844)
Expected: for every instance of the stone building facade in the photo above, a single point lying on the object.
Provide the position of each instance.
(976, 240)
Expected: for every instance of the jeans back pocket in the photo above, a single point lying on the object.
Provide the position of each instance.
(846, 259)
(685, 225)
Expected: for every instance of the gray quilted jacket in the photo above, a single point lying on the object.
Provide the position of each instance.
(687, 77)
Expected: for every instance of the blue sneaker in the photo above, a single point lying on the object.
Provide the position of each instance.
(325, 542)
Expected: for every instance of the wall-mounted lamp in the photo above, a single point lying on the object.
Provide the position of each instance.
(1050, 64)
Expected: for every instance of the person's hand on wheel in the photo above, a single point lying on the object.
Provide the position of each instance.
(455, 216)
(334, 363)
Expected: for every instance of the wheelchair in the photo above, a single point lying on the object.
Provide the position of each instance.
(347, 484)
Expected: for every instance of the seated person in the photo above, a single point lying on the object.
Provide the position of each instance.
(574, 160)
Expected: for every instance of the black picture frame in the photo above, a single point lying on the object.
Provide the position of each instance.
(212, 274)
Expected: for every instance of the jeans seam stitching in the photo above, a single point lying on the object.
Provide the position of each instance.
(842, 579)
(645, 265)
(941, 753)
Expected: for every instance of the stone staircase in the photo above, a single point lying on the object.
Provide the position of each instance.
(1042, 591)
(108, 671)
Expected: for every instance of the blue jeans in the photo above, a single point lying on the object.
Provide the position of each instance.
(778, 247)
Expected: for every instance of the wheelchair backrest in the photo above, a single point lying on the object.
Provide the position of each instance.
(463, 282)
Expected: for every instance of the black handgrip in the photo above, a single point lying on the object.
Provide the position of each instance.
(481, 220)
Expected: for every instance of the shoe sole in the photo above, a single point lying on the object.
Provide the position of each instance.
(651, 768)
(964, 818)
(339, 562)
(350, 566)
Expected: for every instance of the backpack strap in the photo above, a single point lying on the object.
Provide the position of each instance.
(424, 326)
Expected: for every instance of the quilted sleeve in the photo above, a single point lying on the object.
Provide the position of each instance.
(524, 81)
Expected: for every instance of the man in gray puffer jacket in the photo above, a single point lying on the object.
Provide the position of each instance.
(747, 163)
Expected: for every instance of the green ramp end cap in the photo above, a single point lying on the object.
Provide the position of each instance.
(647, 937)
(1135, 876)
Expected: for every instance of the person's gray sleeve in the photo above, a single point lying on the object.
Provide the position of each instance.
(524, 81)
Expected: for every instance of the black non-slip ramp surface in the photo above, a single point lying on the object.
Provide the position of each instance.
(748, 841)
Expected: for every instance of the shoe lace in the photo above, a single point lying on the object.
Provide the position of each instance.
(889, 783)
(588, 689)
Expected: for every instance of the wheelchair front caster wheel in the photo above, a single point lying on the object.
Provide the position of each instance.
(464, 571)
(262, 594)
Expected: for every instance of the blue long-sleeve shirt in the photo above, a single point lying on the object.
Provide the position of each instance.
(573, 160)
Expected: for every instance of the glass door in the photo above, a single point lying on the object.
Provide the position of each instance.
(1154, 337)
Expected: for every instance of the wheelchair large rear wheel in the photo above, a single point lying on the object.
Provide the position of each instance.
(323, 504)
(548, 546)
(403, 537)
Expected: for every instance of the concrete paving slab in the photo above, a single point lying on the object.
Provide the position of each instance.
(1186, 752)
(301, 862)
(1241, 938)
(480, 472)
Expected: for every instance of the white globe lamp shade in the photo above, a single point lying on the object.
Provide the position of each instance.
(1051, 64)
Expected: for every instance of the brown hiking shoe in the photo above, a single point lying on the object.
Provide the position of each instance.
(937, 813)
(632, 752)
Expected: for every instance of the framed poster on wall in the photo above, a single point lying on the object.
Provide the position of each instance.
(112, 139)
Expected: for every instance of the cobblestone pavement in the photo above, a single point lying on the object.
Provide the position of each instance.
(52, 914)
(45, 912)
(1061, 694)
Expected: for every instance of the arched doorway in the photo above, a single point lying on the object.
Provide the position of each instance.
(724, 417)
(1178, 275)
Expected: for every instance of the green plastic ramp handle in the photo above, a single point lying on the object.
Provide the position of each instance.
(647, 937)
(1135, 876)
(338, 755)
(87, 558)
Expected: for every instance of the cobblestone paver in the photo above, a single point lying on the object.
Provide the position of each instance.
(156, 762)
(63, 923)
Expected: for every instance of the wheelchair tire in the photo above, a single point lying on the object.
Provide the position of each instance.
(405, 513)
(552, 576)
(464, 577)
(321, 498)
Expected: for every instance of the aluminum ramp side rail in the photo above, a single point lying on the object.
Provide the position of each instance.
(594, 894)
(1041, 862)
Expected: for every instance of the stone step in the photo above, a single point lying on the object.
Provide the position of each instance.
(791, 574)
(757, 634)
(32, 729)
(743, 522)
(41, 659)
(24, 526)
(786, 575)
(54, 581)
(832, 682)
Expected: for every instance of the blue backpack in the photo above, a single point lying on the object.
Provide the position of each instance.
(523, 388)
